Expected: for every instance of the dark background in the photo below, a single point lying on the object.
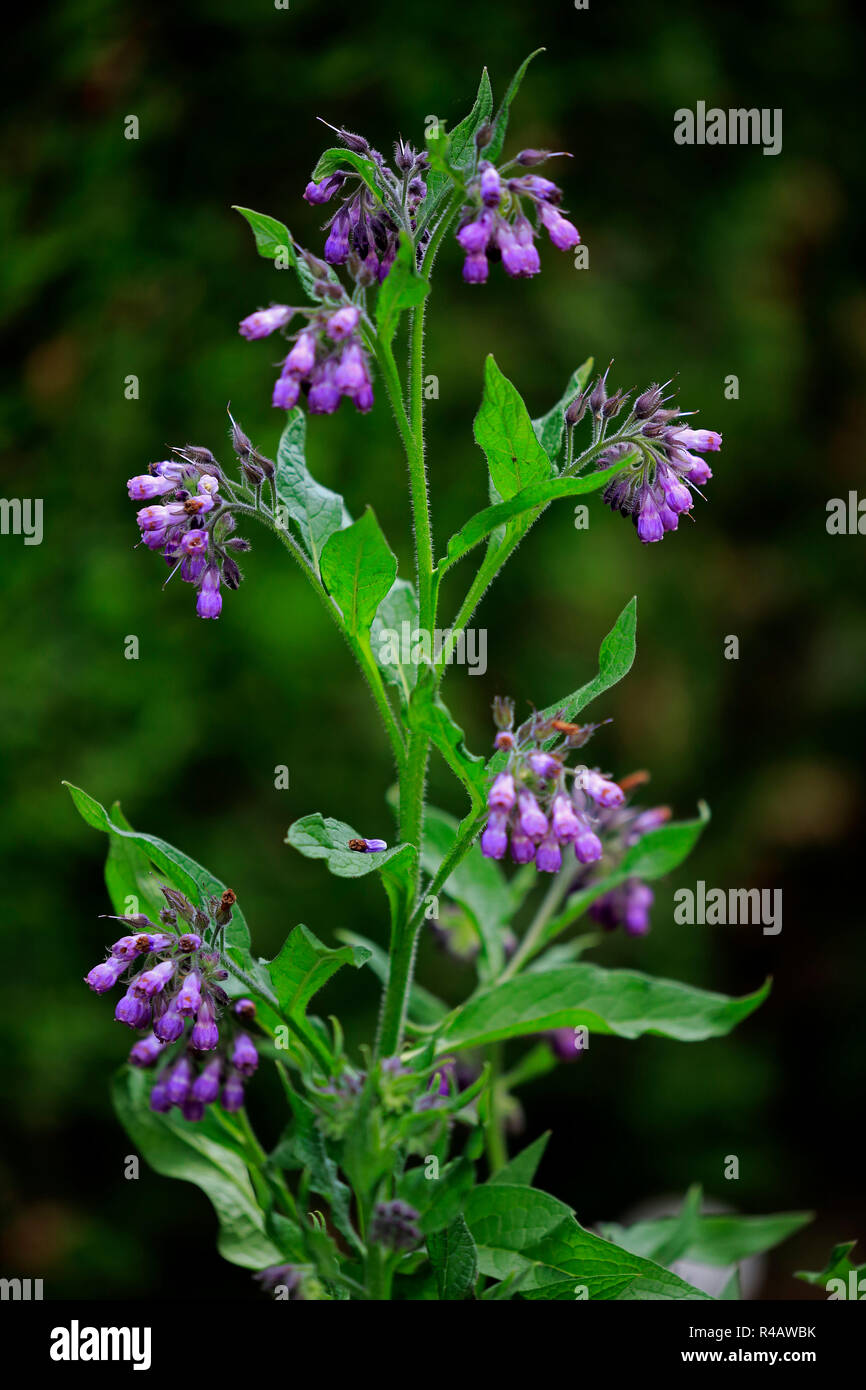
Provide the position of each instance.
(124, 257)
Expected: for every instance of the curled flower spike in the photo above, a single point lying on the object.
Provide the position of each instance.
(494, 225)
(178, 980)
(194, 530)
(659, 470)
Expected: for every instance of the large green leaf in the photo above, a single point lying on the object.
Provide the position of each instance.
(316, 510)
(504, 431)
(520, 1231)
(454, 1258)
(199, 1153)
(625, 1003)
(358, 568)
(403, 288)
(304, 965)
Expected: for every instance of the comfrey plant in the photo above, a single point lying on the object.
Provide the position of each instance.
(392, 1178)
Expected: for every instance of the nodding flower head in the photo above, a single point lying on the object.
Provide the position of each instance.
(494, 224)
(194, 530)
(659, 474)
(326, 362)
(174, 996)
(553, 812)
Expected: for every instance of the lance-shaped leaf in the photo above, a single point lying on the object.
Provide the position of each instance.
(625, 1003)
(520, 1170)
(840, 1276)
(358, 568)
(391, 637)
(504, 431)
(525, 1233)
(199, 1153)
(182, 871)
(403, 288)
(549, 427)
(459, 151)
(454, 1258)
(500, 123)
(274, 242)
(529, 499)
(615, 658)
(430, 713)
(304, 965)
(317, 511)
(722, 1239)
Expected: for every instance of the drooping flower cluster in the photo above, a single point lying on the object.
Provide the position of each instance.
(394, 1226)
(190, 524)
(174, 997)
(660, 470)
(494, 224)
(326, 362)
(538, 805)
(363, 234)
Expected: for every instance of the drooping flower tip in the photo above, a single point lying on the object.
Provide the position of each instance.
(265, 321)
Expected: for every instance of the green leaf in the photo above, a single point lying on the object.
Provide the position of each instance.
(500, 124)
(438, 1200)
(504, 431)
(338, 158)
(477, 884)
(460, 149)
(358, 568)
(838, 1267)
(198, 1153)
(615, 657)
(429, 712)
(548, 428)
(273, 239)
(520, 1231)
(318, 837)
(193, 880)
(317, 511)
(625, 1003)
(520, 1170)
(454, 1258)
(271, 236)
(485, 522)
(304, 965)
(403, 288)
(709, 1239)
(399, 606)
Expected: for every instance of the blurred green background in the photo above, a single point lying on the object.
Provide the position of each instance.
(124, 257)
